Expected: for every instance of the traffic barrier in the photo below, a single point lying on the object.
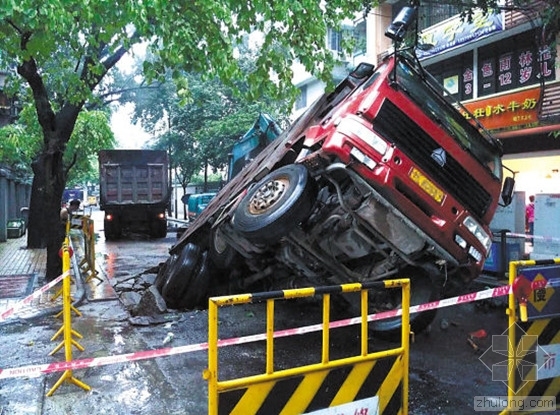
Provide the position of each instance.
(38, 370)
(533, 338)
(66, 329)
(87, 264)
(369, 382)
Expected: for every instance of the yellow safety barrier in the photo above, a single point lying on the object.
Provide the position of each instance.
(87, 264)
(368, 382)
(533, 337)
(66, 329)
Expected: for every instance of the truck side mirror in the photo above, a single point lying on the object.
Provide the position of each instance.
(397, 29)
(507, 190)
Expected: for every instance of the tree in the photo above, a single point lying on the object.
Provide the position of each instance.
(63, 50)
(200, 133)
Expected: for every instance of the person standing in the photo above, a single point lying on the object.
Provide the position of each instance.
(66, 212)
(530, 218)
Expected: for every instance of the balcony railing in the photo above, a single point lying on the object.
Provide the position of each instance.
(550, 109)
(530, 11)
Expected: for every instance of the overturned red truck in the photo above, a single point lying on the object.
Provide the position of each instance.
(382, 178)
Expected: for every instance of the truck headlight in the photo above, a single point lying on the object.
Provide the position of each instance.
(351, 125)
(478, 231)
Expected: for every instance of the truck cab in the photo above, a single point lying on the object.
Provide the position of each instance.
(197, 202)
(381, 178)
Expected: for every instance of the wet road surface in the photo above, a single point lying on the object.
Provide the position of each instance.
(446, 373)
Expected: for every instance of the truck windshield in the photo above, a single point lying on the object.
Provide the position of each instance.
(423, 89)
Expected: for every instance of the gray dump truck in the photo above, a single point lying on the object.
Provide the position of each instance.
(134, 192)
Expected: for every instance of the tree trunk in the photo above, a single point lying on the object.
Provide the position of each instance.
(45, 227)
(205, 176)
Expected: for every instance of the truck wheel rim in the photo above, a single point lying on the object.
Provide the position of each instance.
(219, 244)
(268, 195)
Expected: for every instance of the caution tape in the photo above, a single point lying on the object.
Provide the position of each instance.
(534, 237)
(37, 370)
(4, 315)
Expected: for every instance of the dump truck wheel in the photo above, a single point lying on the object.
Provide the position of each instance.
(164, 271)
(276, 204)
(180, 275)
(199, 285)
(112, 230)
(222, 255)
(422, 290)
(158, 229)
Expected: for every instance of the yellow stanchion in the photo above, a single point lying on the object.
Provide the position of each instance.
(59, 293)
(87, 265)
(66, 328)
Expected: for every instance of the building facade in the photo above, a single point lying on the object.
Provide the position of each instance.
(503, 67)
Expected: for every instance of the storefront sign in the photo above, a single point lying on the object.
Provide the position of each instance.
(508, 111)
(455, 32)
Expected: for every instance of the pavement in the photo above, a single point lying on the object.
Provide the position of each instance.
(22, 280)
(22, 273)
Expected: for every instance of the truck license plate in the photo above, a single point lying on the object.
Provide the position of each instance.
(426, 185)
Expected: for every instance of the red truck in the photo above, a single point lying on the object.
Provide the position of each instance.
(380, 179)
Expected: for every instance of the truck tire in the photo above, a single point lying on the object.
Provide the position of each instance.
(276, 204)
(222, 255)
(198, 286)
(422, 290)
(112, 229)
(164, 272)
(180, 276)
(158, 229)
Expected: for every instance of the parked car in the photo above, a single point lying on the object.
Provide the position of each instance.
(91, 200)
(16, 228)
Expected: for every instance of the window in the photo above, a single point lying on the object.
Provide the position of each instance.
(360, 38)
(429, 13)
(455, 75)
(335, 40)
(301, 101)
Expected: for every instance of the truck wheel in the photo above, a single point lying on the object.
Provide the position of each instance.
(112, 230)
(197, 289)
(276, 204)
(158, 229)
(180, 275)
(221, 253)
(164, 272)
(422, 290)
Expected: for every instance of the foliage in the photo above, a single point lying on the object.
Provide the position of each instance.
(213, 178)
(21, 141)
(91, 134)
(200, 135)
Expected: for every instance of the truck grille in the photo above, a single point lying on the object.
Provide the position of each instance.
(407, 136)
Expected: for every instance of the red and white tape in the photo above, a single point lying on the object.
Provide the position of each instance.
(37, 370)
(534, 237)
(4, 315)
